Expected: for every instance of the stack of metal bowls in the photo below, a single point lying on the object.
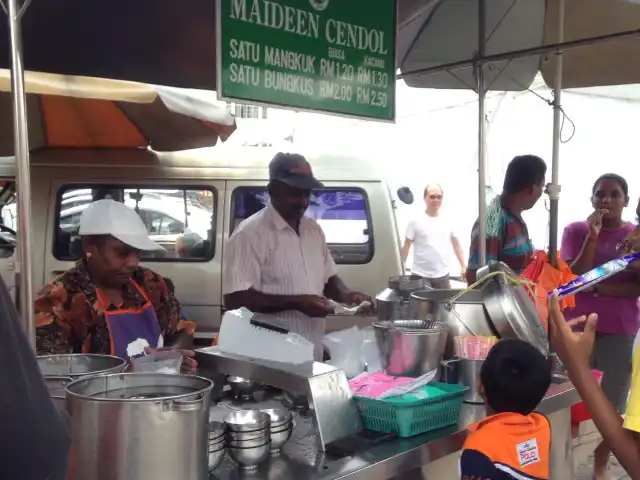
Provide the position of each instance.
(216, 444)
(281, 428)
(248, 437)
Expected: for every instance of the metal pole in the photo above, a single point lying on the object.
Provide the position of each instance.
(554, 188)
(21, 147)
(524, 53)
(482, 126)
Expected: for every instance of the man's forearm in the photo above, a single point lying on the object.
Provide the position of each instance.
(335, 289)
(261, 302)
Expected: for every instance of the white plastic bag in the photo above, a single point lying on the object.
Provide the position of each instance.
(345, 347)
(370, 352)
(238, 336)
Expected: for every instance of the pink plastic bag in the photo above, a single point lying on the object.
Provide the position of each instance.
(375, 384)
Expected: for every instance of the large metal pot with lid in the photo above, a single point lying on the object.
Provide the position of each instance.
(142, 426)
(60, 370)
(394, 302)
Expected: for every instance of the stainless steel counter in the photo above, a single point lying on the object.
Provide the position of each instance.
(301, 460)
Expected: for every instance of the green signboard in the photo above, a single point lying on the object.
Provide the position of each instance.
(333, 56)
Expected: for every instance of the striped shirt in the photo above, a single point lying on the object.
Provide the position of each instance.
(512, 245)
(265, 254)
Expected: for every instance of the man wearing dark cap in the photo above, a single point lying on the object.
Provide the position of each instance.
(277, 263)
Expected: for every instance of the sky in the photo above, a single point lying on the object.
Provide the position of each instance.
(434, 139)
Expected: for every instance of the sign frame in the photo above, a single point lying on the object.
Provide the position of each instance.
(394, 109)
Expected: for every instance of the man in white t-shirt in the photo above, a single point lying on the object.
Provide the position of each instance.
(432, 238)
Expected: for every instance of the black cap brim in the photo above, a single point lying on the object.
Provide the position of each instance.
(303, 182)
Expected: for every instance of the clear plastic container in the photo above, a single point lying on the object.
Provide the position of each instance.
(165, 361)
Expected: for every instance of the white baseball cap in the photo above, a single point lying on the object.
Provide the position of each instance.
(108, 217)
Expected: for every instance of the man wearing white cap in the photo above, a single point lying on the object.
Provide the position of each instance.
(107, 303)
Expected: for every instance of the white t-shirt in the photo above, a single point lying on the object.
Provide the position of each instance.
(431, 237)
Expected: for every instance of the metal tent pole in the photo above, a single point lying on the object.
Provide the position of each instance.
(21, 147)
(482, 133)
(554, 188)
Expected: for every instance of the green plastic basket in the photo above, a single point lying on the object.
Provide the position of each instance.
(428, 408)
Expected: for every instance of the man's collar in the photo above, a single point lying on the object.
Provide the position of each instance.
(279, 222)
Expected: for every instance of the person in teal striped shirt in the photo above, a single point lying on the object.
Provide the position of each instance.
(507, 234)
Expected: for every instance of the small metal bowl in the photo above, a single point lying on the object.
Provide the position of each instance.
(263, 432)
(278, 416)
(284, 426)
(241, 387)
(252, 443)
(247, 420)
(216, 444)
(215, 457)
(279, 438)
(249, 458)
(216, 430)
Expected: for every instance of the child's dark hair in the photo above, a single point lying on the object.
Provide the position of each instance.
(515, 377)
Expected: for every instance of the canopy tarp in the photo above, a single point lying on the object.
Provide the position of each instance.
(434, 33)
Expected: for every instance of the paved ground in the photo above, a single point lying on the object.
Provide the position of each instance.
(583, 447)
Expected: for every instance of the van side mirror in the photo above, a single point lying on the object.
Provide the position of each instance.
(405, 195)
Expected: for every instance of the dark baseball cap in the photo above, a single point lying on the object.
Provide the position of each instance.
(294, 170)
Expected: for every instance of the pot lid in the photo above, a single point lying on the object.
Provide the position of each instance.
(139, 387)
(79, 364)
(510, 308)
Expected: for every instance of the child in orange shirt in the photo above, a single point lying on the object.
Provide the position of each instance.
(513, 442)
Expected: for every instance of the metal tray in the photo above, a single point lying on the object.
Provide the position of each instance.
(511, 310)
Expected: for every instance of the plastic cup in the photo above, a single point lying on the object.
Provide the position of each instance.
(168, 361)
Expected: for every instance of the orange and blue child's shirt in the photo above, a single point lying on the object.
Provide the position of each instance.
(507, 446)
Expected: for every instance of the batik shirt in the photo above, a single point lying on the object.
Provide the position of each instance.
(70, 316)
(511, 245)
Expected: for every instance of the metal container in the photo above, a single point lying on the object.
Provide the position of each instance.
(394, 302)
(249, 458)
(469, 376)
(141, 426)
(279, 437)
(411, 348)
(60, 370)
(510, 308)
(242, 388)
(464, 316)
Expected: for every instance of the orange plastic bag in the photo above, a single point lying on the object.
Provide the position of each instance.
(546, 279)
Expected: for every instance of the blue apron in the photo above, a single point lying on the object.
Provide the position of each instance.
(129, 329)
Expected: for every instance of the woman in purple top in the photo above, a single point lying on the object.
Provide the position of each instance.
(586, 245)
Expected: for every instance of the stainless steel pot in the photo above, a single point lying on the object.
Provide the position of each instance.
(465, 316)
(142, 426)
(60, 370)
(394, 302)
(410, 348)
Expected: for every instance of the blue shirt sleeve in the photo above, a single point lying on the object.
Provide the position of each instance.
(476, 466)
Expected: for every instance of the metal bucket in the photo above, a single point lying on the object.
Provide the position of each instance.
(464, 316)
(60, 370)
(155, 425)
(410, 348)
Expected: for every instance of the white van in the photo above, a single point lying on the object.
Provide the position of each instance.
(208, 193)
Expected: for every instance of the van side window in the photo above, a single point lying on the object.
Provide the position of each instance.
(343, 215)
(182, 220)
